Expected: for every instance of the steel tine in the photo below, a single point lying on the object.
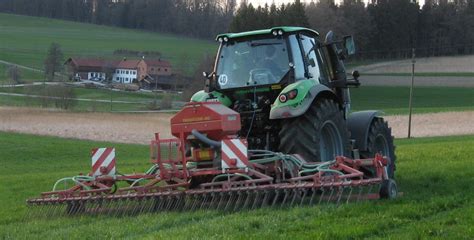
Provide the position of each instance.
(339, 196)
(361, 188)
(265, 198)
(295, 193)
(224, 199)
(330, 194)
(231, 200)
(275, 198)
(195, 201)
(256, 196)
(247, 199)
(239, 201)
(350, 194)
(151, 205)
(311, 199)
(285, 197)
(305, 192)
(323, 191)
(204, 200)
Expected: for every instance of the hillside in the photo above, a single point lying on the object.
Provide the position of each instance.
(25, 40)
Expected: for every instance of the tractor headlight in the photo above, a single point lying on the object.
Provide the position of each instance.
(275, 33)
(292, 94)
(282, 98)
(219, 39)
(280, 32)
(226, 39)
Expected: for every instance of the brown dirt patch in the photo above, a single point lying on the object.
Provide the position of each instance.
(139, 128)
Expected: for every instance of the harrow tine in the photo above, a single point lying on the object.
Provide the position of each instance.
(305, 192)
(247, 199)
(239, 201)
(232, 198)
(256, 199)
(285, 197)
(265, 198)
(322, 196)
(339, 196)
(361, 188)
(330, 195)
(350, 194)
(275, 198)
(312, 196)
(295, 193)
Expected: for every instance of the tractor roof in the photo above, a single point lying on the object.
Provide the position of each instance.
(266, 31)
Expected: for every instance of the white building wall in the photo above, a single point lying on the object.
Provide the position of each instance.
(97, 76)
(125, 75)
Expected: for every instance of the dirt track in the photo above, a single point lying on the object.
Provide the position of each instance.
(139, 128)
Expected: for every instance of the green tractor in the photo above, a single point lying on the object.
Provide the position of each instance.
(292, 92)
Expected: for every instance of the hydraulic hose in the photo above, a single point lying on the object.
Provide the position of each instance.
(206, 140)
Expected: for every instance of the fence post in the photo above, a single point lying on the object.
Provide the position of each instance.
(411, 90)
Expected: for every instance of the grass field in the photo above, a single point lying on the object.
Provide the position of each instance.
(137, 100)
(435, 175)
(391, 100)
(426, 74)
(25, 40)
(26, 75)
(394, 100)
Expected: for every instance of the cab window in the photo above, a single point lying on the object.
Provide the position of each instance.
(296, 57)
(310, 56)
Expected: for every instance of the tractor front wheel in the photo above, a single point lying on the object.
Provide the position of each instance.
(319, 135)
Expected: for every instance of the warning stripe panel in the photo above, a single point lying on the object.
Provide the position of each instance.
(103, 158)
(234, 153)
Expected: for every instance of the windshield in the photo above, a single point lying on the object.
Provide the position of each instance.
(250, 63)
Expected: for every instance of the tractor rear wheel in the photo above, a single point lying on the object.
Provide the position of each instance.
(318, 135)
(380, 140)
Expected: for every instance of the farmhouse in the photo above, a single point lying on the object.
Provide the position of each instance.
(147, 73)
(126, 71)
(156, 74)
(88, 68)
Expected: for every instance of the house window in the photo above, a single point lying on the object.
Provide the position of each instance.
(117, 78)
(126, 72)
(159, 69)
(166, 69)
(118, 71)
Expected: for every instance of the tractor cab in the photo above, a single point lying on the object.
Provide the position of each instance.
(267, 75)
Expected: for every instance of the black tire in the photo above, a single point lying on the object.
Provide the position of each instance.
(389, 189)
(380, 140)
(322, 127)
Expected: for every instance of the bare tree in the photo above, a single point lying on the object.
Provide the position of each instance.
(53, 62)
(14, 74)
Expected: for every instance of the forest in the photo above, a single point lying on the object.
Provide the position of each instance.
(382, 28)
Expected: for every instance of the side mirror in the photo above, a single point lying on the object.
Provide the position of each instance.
(349, 45)
(356, 75)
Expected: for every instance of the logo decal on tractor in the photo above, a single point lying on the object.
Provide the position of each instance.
(223, 79)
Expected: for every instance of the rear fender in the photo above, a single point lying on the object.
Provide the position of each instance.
(308, 90)
(359, 126)
(213, 96)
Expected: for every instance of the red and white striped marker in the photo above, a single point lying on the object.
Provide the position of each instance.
(234, 154)
(103, 161)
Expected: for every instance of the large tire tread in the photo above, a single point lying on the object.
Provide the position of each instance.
(300, 135)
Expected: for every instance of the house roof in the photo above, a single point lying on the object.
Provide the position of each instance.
(157, 63)
(128, 64)
(91, 62)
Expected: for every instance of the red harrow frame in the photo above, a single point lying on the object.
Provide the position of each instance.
(207, 167)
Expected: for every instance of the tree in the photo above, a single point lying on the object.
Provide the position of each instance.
(14, 74)
(54, 61)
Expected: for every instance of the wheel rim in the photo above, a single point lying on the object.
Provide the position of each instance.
(381, 145)
(331, 142)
